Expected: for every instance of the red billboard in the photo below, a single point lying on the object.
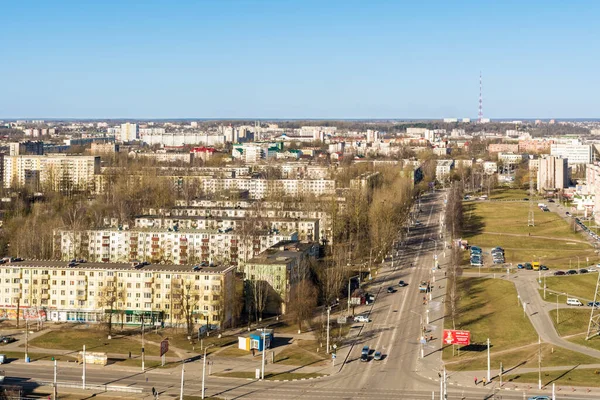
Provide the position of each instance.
(457, 337)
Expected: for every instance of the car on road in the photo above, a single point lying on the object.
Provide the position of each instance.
(391, 290)
(402, 284)
(7, 339)
(361, 318)
(592, 304)
(583, 271)
(538, 398)
(364, 357)
(528, 266)
(365, 350)
(574, 302)
(544, 268)
(571, 272)
(377, 356)
(520, 266)
(559, 273)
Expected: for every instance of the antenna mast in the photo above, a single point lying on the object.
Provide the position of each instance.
(480, 114)
(594, 325)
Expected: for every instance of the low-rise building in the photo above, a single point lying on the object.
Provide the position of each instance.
(443, 168)
(93, 292)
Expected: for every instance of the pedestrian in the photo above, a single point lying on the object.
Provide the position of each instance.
(430, 338)
(475, 381)
(253, 353)
(484, 381)
(129, 354)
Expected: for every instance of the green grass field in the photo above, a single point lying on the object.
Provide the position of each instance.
(302, 353)
(487, 223)
(488, 308)
(178, 338)
(509, 194)
(93, 339)
(581, 286)
(577, 377)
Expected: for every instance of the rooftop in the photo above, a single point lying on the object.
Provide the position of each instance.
(116, 266)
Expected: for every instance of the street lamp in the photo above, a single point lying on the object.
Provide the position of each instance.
(421, 331)
(204, 367)
(264, 350)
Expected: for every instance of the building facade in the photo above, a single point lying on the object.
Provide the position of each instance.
(552, 174)
(91, 292)
(575, 153)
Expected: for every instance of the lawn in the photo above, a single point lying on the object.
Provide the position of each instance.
(233, 351)
(527, 357)
(270, 376)
(485, 222)
(509, 194)
(577, 377)
(302, 352)
(571, 321)
(581, 286)
(93, 339)
(178, 339)
(488, 308)
(38, 356)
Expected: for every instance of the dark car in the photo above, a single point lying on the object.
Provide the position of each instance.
(364, 357)
(558, 273)
(528, 266)
(7, 339)
(543, 268)
(391, 290)
(402, 284)
(520, 266)
(583, 271)
(568, 214)
(571, 272)
(550, 201)
(592, 304)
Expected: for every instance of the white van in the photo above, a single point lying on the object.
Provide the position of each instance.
(574, 302)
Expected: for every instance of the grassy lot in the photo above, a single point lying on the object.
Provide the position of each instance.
(593, 342)
(509, 194)
(38, 356)
(527, 357)
(582, 286)
(303, 352)
(95, 340)
(233, 351)
(488, 308)
(178, 338)
(511, 218)
(571, 321)
(577, 377)
(282, 376)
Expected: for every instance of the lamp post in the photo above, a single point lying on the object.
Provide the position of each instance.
(420, 333)
(328, 313)
(204, 367)
(182, 377)
(264, 350)
(578, 262)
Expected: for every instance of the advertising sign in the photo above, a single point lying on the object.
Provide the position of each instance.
(457, 337)
(164, 347)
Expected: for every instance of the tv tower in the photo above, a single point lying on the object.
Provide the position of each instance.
(480, 114)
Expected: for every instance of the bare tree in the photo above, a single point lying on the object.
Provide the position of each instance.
(303, 300)
(186, 299)
(112, 298)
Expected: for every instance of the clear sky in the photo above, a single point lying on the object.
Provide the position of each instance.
(299, 59)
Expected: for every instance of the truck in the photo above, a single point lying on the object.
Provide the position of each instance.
(535, 265)
(423, 287)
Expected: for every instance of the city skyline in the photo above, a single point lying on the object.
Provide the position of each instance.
(298, 60)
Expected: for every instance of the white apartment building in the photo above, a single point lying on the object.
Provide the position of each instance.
(512, 158)
(164, 157)
(443, 168)
(178, 139)
(59, 170)
(252, 152)
(575, 153)
(307, 229)
(552, 174)
(161, 245)
(70, 292)
(490, 167)
(128, 132)
(592, 175)
(261, 188)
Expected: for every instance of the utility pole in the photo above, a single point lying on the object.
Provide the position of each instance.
(594, 324)
(540, 363)
(54, 391)
(328, 313)
(182, 377)
(501, 372)
(488, 361)
(264, 351)
(83, 376)
(143, 353)
(26, 339)
(204, 368)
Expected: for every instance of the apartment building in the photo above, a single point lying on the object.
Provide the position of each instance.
(108, 148)
(552, 174)
(248, 209)
(535, 146)
(573, 152)
(91, 292)
(443, 168)
(279, 269)
(164, 245)
(165, 157)
(261, 188)
(58, 170)
(128, 132)
(592, 175)
(503, 147)
(308, 229)
(511, 158)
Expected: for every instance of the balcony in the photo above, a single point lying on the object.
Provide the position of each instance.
(45, 296)
(81, 297)
(45, 286)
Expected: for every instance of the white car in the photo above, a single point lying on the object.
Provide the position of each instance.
(361, 318)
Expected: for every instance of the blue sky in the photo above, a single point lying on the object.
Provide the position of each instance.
(299, 59)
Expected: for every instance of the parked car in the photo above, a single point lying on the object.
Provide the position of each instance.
(361, 318)
(572, 272)
(7, 339)
(520, 266)
(377, 356)
(583, 271)
(402, 284)
(528, 266)
(550, 201)
(364, 357)
(365, 350)
(538, 398)
(574, 302)
(391, 290)
(559, 273)
(592, 304)
(544, 268)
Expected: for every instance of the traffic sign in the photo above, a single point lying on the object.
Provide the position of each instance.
(342, 319)
(333, 356)
(164, 347)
